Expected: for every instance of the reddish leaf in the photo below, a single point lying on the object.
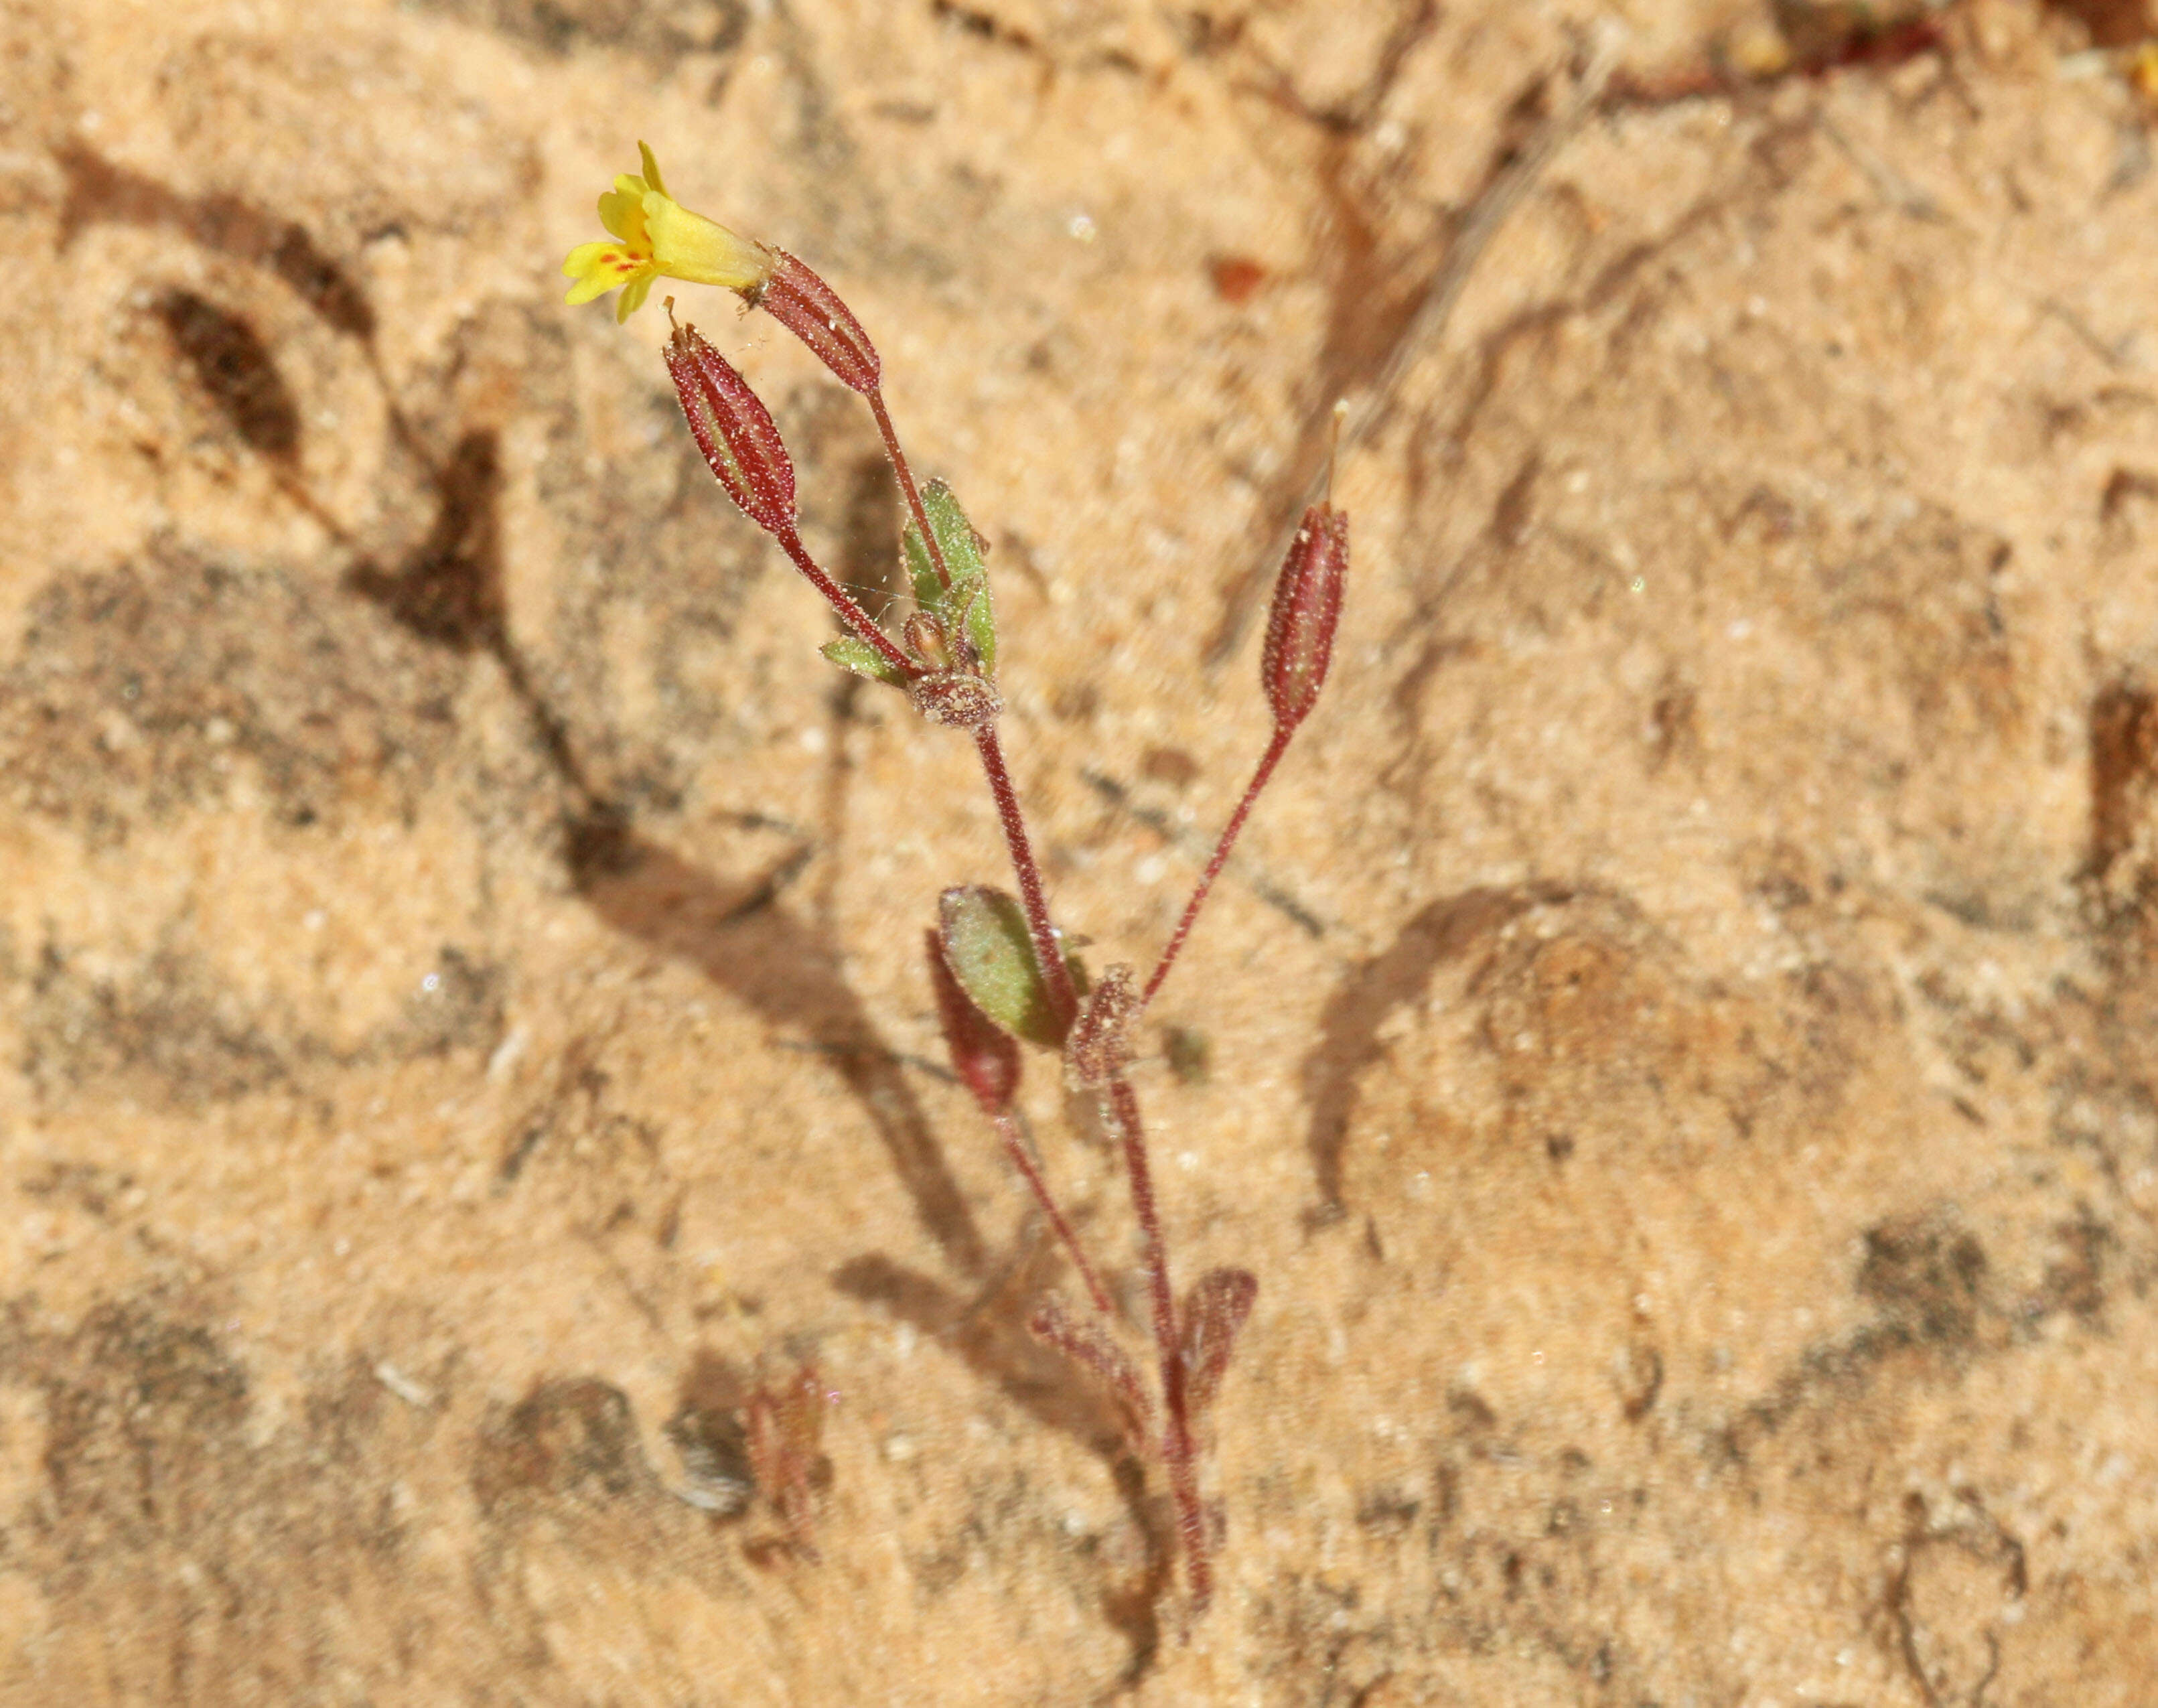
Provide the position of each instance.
(1088, 1341)
(785, 1425)
(985, 1057)
(1098, 1051)
(1214, 1310)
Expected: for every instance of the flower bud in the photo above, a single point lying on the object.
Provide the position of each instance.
(964, 608)
(810, 309)
(1307, 608)
(735, 430)
(925, 637)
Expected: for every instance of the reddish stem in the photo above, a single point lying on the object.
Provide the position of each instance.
(1055, 973)
(851, 614)
(1062, 997)
(1122, 1109)
(1260, 778)
(1121, 1104)
(1007, 1131)
(907, 489)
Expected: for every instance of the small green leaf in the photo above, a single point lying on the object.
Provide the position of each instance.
(921, 571)
(968, 601)
(851, 653)
(962, 552)
(987, 946)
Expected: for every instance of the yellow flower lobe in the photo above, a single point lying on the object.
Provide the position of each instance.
(655, 235)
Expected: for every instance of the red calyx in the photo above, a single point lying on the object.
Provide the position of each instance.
(1307, 609)
(810, 309)
(735, 430)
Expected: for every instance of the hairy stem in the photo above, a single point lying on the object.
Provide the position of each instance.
(1032, 895)
(1122, 1107)
(1055, 974)
(1260, 778)
(851, 614)
(1015, 1148)
(907, 489)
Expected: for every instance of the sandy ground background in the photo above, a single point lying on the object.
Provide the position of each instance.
(1676, 1048)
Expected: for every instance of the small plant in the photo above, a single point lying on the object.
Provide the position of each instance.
(997, 964)
(784, 1429)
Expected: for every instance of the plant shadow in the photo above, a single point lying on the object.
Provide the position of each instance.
(1442, 930)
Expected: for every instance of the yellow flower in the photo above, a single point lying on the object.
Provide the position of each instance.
(659, 235)
(2143, 70)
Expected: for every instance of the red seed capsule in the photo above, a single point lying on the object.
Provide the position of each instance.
(1307, 608)
(735, 430)
(810, 309)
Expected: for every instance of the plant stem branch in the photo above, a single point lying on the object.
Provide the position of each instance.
(1063, 999)
(1056, 975)
(1120, 1105)
(1260, 778)
(1122, 1108)
(1015, 1148)
(851, 614)
(906, 487)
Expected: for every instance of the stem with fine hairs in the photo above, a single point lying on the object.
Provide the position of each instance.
(908, 489)
(1015, 1148)
(850, 613)
(1063, 997)
(1033, 896)
(1120, 1108)
(1260, 778)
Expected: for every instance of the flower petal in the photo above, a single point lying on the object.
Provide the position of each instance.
(687, 246)
(633, 298)
(586, 257)
(651, 167)
(622, 209)
(599, 267)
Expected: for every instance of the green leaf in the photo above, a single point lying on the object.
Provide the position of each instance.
(921, 571)
(967, 601)
(851, 653)
(963, 551)
(986, 945)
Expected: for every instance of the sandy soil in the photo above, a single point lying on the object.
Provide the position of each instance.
(1675, 1048)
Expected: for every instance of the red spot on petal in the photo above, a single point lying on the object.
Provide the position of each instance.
(1236, 277)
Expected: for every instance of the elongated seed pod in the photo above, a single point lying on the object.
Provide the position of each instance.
(735, 430)
(1306, 611)
(811, 309)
